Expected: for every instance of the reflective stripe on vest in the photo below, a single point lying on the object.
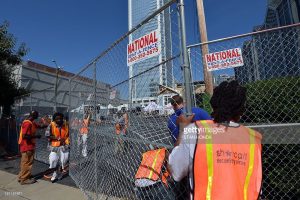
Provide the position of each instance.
(251, 163)
(59, 133)
(32, 132)
(151, 165)
(207, 183)
(209, 158)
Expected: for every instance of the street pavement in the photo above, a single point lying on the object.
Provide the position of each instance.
(10, 189)
(43, 189)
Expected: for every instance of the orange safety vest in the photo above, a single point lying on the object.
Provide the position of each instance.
(32, 133)
(151, 166)
(84, 128)
(64, 134)
(227, 165)
(118, 128)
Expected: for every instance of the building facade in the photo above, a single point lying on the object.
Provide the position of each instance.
(273, 54)
(222, 77)
(144, 88)
(40, 80)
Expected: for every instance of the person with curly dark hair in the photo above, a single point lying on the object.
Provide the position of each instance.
(59, 144)
(221, 157)
(228, 102)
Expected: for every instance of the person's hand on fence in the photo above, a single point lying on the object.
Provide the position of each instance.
(183, 121)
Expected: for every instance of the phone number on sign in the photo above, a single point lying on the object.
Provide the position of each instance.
(143, 55)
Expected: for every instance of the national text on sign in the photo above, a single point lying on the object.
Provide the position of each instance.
(142, 42)
(223, 55)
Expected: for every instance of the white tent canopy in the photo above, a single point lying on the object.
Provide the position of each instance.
(152, 106)
(110, 106)
(168, 109)
(78, 109)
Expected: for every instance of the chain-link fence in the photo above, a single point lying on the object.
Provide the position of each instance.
(127, 100)
(125, 92)
(270, 70)
(135, 95)
(8, 136)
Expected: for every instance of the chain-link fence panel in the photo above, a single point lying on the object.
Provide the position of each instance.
(8, 136)
(267, 63)
(126, 103)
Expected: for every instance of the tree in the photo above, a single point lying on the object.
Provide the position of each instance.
(10, 56)
(203, 101)
(273, 101)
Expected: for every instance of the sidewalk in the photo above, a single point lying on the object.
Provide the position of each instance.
(10, 189)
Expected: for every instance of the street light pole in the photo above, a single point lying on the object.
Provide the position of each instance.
(55, 86)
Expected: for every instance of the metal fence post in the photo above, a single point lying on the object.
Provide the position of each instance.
(185, 61)
(69, 107)
(8, 132)
(95, 128)
(193, 86)
(30, 102)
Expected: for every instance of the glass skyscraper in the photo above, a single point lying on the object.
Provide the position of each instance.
(273, 54)
(145, 87)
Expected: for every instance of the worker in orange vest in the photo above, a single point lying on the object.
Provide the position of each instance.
(121, 123)
(27, 147)
(84, 130)
(222, 157)
(151, 178)
(121, 126)
(59, 141)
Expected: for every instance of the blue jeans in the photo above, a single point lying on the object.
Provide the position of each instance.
(158, 191)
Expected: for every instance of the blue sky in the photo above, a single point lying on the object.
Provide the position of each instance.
(74, 32)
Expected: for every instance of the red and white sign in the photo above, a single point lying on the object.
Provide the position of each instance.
(144, 47)
(224, 59)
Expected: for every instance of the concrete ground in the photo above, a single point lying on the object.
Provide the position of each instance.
(10, 189)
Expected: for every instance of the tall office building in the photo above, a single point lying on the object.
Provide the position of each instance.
(145, 87)
(276, 53)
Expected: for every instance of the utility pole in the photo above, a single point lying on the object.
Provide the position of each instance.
(55, 86)
(204, 48)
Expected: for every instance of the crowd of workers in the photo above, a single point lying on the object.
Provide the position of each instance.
(213, 157)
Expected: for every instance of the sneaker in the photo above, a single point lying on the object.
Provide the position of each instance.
(84, 153)
(54, 176)
(28, 181)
